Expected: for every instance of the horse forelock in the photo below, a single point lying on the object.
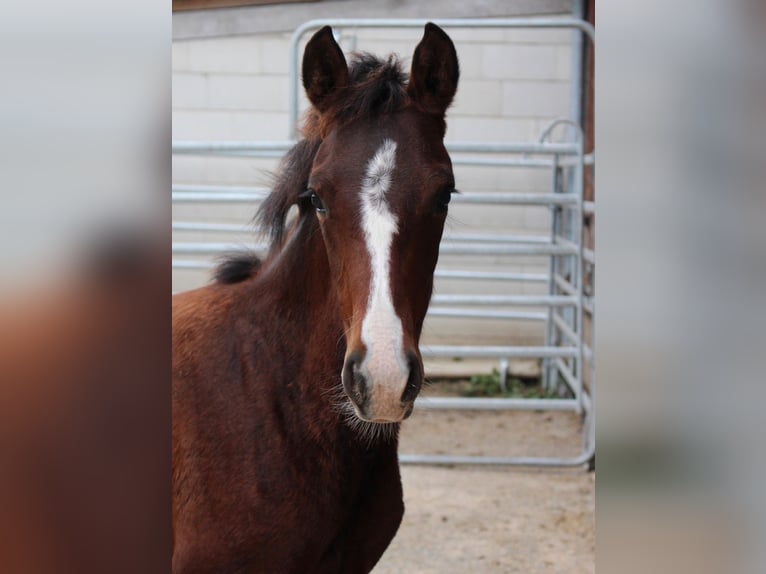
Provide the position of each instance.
(376, 87)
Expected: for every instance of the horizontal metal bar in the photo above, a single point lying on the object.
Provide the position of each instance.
(521, 300)
(495, 238)
(490, 275)
(449, 459)
(186, 264)
(508, 249)
(522, 161)
(512, 198)
(589, 207)
(216, 188)
(482, 314)
(213, 227)
(264, 154)
(495, 404)
(218, 197)
(179, 247)
(452, 351)
(547, 148)
(199, 146)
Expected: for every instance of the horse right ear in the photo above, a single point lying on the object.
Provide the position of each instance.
(435, 71)
(324, 68)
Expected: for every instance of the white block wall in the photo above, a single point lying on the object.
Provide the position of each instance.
(513, 83)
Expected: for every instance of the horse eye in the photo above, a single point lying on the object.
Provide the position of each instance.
(443, 199)
(317, 203)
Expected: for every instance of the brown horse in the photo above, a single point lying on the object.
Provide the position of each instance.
(291, 375)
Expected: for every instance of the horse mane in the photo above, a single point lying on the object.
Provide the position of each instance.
(237, 267)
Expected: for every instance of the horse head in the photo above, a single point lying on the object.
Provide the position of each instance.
(379, 186)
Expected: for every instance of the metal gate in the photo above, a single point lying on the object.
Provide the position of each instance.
(565, 352)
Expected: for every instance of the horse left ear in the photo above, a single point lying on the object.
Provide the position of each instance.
(435, 71)
(324, 68)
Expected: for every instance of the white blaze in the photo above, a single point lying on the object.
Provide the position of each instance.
(384, 364)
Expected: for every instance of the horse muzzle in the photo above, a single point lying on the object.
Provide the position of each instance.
(382, 389)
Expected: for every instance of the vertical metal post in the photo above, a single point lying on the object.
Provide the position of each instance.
(589, 437)
(576, 84)
(549, 372)
(578, 187)
(573, 228)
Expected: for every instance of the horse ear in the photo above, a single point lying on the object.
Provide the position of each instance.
(324, 68)
(435, 71)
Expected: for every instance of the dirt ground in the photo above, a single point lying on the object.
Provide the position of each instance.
(479, 520)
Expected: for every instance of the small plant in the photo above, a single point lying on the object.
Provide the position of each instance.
(489, 385)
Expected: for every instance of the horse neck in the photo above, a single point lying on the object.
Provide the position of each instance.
(305, 298)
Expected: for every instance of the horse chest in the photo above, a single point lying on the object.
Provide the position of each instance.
(308, 519)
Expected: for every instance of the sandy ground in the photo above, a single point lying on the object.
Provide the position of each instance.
(489, 520)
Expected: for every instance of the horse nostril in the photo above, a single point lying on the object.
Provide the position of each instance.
(354, 382)
(414, 380)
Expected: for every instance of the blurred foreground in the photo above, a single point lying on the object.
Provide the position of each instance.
(84, 287)
(681, 274)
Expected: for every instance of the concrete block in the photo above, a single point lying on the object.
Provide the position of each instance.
(241, 92)
(259, 125)
(274, 55)
(478, 98)
(224, 170)
(507, 178)
(504, 61)
(537, 218)
(535, 99)
(471, 128)
(475, 178)
(190, 91)
(199, 125)
(239, 54)
(563, 62)
(484, 218)
(470, 58)
(180, 59)
(228, 125)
